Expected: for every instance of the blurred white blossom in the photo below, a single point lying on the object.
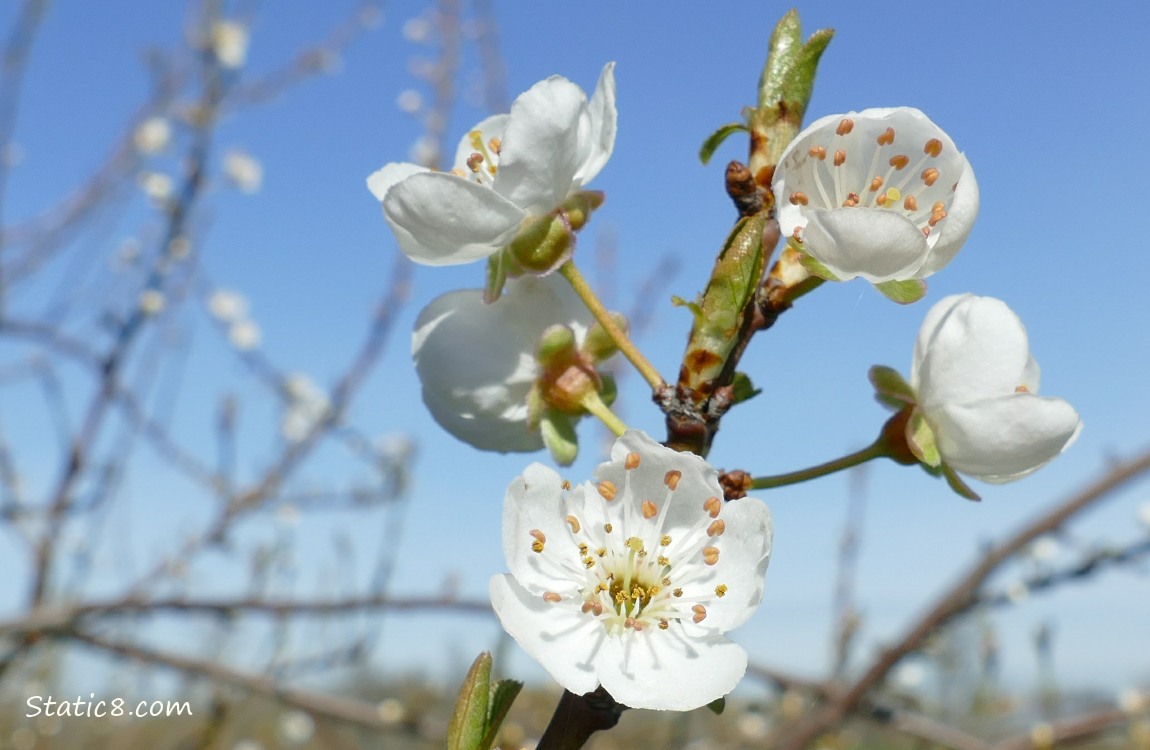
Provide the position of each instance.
(156, 186)
(244, 335)
(227, 306)
(230, 43)
(152, 135)
(151, 301)
(244, 171)
(409, 101)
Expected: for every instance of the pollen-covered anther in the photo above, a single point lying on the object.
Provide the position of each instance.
(875, 184)
(677, 593)
(930, 176)
(818, 152)
(565, 485)
(710, 555)
(573, 522)
(606, 489)
(1021, 389)
(851, 201)
(663, 560)
(846, 126)
(474, 161)
(700, 613)
(495, 145)
(933, 147)
(587, 607)
(721, 590)
(663, 624)
(458, 172)
(910, 203)
(551, 596)
(632, 461)
(650, 510)
(608, 528)
(601, 552)
(713, 505)
(717, 527)
(799, 198)
(840, 157)
(886, 137)
(540, 540)
(899, 162)
(665, 540)
(671, 479)
(634, 543)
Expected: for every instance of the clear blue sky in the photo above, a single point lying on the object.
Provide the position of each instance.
(1043, 98)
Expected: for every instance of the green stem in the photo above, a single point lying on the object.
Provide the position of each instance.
(877, 449)
(593, 404)
(628, 349)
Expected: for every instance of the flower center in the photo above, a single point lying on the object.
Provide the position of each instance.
(483, 163)
(838, 173)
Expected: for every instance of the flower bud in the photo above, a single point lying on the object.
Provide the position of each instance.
(599, 345)
(556, 346)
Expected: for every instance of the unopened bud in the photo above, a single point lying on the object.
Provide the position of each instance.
(599, 344)
(556, 346)
(579, 207)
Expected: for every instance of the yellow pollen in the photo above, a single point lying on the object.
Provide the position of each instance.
(566, 485)
(929, 176)
(899, 162)
(799, 198)
(840, 157)
(458, 172)
(649, 510)
(632, 461)
(662, 560)
(474, 161)
(552, 597)
(713, 505)
(653, 589)
(666, 580)
(600, 587)
(663, 624)
(677, 592)
(607, 490)
(608, 528)
(1022, 389)
(601, 552)
(893, 195)
(710, 555)
(671, 479)
(819, 152)
(573, 522)
(589, 562)
(933, 147)
(721, 590)
(642, 553)
(911, 203)
(846, 126)
(875, 184)
(717, 527)
(582, 549)
(886, 137)
(537, 546)
(664, 540)
(700, 613)
(634, 543)
(495, 145)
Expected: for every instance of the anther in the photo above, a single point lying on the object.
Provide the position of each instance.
(671, 479)
(721, 590)
(881, 200)
(587, 607)
(663, 624)
(596, 609)
(799, 198)
(495, 145)
(886, 137)
(582, 549)
(900, 161)
(632, 461)
(875, 184)
(634, 543)
(608, 528)
(677, 592)
(851, 201)
(700, 613)
(933, 147)
(565, 485)
(663, 561)
(717, 527)
(710, 555)
(629, 622)
(573, 522)
(537, 545)
(929, 176)
(1022, 389)
(819, 152)
(552, 597)
(607, 490)
(911, 203)
(458, 172)
(474, 161)
(846, 126)
(650, 510)
(664, 540)
(666, 580)
(601, 552)
(840, 157)
(713, 505)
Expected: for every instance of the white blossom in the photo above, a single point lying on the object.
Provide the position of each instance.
(152, 135)
(151, 302)
(630, 582)
(227, 306)
(244, 171)
(244, 334)
(229, 43)
(883, 194)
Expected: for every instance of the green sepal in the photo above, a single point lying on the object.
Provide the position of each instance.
(714, 140)
(502, 697)
(556, 346)
(717, 706)
(921, 441)
(608, 389)
(742, 389)
(956, 484)
(496, 276)
(889, 387)
(902, 291)
(817, 269)
(468, 724)
(558, 432)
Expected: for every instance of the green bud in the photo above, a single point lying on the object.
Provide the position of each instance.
(543, 244)
(599, 345)
(558, 432)
(556, 347)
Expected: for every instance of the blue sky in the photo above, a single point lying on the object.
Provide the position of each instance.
(1042, 98)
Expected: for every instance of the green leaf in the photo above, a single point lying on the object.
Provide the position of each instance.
(921, 441)
(501, 699)
(800, 79)
(958, 485)
(743, 389)
(817, 269)
(469, 720)
(903, 291)
(783, 50)
(558, 431)
(714, 140)
(889, 387)
(718, 705)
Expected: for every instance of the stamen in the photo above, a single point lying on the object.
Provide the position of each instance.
(899, 162)
(608, 528)
(573, 522)
(474, 161)
(875, 184)
(607, 490)
(886, 137)
(650, 510)
(929, 176)
(664, 540)
(1022, 389)
(632, 461)
(601, 552)
(495, 145)
(721, 590)
(664, 561)
(700, 613)
(587, 607)
(671, 479)
(840, 157)
(717, 527)
(911, 203)
(851, 201)
(819, 152)
(677, 592)
(565, 485)
(552, 597)
(663, 624)
(846, 126)
(537, 545)
(933, 147)
(799, 198)
(710, 555)
(713, 505)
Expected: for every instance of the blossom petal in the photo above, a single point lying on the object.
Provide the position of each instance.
(490, 128)
(505, 432)
(1004, 438)
(959, 221)
(382, 180)
(541, 154)
(876, 244)
(744, 552)
(969, 348)
(597, 129)
(655, 671)
(534, 504)
(554, 634)
(440, 219)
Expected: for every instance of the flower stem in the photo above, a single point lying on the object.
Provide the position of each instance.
(877, 449)
(593, 404)
(628, 349)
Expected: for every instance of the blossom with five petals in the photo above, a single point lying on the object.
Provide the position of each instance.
(509, 169)
(631, 581)
(883, 194)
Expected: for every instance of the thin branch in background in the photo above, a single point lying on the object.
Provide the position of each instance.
(846, 615)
